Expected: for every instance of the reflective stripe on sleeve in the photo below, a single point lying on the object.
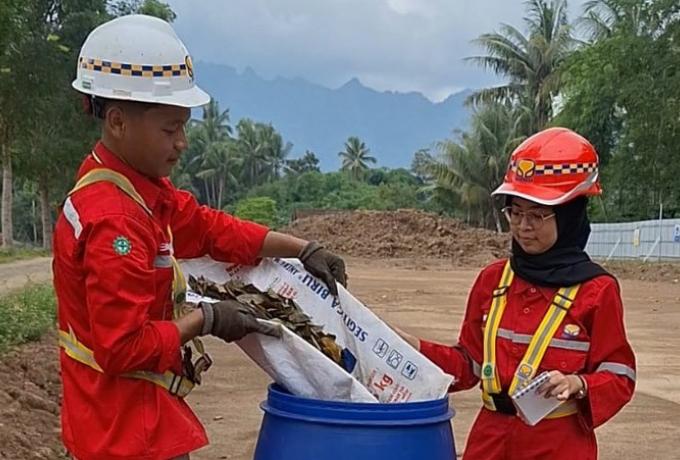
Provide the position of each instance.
(618, 369)
(72, 217)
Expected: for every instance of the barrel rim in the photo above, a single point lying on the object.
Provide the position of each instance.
(283, 404)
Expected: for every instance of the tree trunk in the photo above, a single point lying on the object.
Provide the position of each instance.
(7, 230)
(34, 223)
(45, 214)
(207, 194)
(220, 192)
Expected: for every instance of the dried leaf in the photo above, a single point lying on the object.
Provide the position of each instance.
(271, 306)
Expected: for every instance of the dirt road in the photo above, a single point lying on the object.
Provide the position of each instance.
(14, 275)
(429, 301)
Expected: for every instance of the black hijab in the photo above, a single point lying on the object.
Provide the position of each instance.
(566, 262)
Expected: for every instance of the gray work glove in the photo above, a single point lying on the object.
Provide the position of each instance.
(230, 320)
(324, 265)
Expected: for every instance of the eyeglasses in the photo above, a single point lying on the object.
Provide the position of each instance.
(535, 219)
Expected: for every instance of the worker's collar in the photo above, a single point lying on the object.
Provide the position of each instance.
(522, 287)
(149, 189)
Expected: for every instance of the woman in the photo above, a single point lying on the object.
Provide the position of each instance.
(547, 308)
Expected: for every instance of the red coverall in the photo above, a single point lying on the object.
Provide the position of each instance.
(593, 345)
(117, 301)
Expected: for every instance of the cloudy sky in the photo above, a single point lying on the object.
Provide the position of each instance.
(402, 45)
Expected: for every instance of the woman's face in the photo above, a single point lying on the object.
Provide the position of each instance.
(532, 225)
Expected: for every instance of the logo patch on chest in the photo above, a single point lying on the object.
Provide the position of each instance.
(571, 331)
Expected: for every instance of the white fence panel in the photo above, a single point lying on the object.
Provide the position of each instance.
(646, 240)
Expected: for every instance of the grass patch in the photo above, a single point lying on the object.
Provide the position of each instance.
(10, 255)
(25, 315)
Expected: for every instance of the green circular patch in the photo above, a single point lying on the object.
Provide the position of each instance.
(122, 246)
(488, 370)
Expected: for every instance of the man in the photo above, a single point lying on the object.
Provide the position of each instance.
(118, 285)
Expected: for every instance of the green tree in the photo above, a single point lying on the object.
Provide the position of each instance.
(258, 209)
(262, 150)
(622, 92)
(37, 119)
(355, 157)
(13, 27)
(532, 63)
(275, 151)
(215, 153)
(306, 163)
(149, 7)
(467, 170)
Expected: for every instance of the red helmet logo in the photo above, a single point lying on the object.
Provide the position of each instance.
(526, 170)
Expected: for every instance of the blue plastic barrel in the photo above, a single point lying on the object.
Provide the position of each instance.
(295, 428)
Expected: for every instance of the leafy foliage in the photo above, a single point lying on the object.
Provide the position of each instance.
(533, 63)
(26, 315)
(259, 209)
(622, 91)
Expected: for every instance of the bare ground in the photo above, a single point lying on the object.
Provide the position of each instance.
(429, 301)
(14, 275)
(424, 296)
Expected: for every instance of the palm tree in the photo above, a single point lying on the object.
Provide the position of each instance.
(251, 150)
(212, 155)
(472, 167)
(275, 151)
(355, 157)
(532, 63)
(602, 17)
(307, 163)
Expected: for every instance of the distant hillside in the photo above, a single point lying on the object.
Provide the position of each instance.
(393, 125)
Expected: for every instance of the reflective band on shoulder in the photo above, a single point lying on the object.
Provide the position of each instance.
(554, 343)
(72, 217)
(617, 368)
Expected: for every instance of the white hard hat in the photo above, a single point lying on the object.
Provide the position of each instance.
(138, 58)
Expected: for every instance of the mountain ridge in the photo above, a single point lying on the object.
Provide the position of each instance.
(393, 125)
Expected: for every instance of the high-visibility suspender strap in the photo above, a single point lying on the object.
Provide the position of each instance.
(490, 379)
(122, 182)
(108, 175)
(538, 345)
(528, 367)
(175, 384)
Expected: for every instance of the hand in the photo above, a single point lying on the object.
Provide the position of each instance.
(324, 264)
(561, 386)
(230, 320)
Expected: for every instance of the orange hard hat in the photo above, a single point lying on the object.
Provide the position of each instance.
(552, 167)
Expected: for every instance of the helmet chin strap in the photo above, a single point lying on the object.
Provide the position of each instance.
(98, 107)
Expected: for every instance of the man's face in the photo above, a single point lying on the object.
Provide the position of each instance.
(152, 139)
